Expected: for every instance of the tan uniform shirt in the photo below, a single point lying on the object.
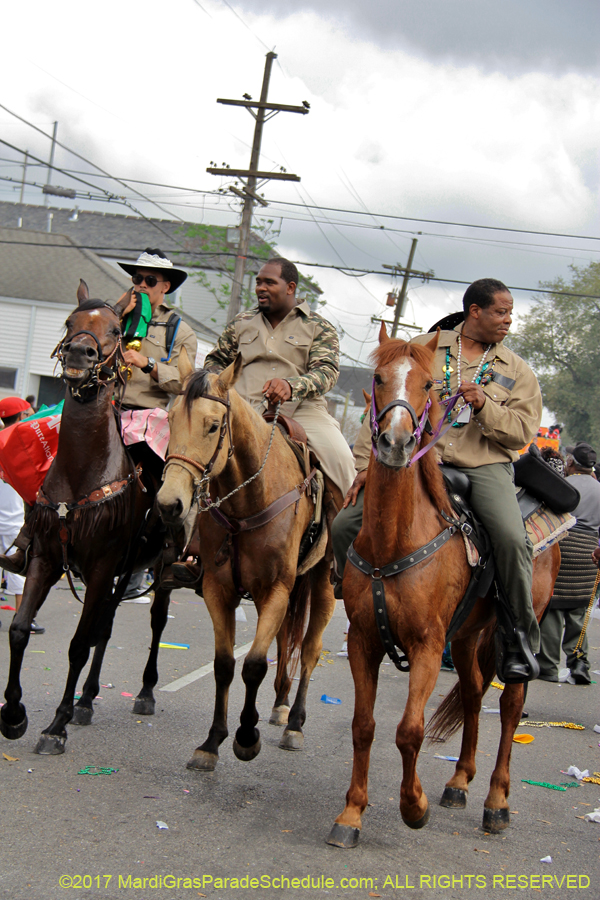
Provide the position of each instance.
(302, 350)
(508, 420)
(142, 390)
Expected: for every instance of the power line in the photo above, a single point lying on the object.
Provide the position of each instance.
(344, 270)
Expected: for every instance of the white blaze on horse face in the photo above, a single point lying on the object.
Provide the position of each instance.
(398, 388)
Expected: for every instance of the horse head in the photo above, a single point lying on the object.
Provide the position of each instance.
(200, 442)
(90, 350)
(401, 398)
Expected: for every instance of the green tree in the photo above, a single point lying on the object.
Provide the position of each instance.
(213, 240)
(560, 338)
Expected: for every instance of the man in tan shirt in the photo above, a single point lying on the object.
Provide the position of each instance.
(502, 411)
(290, 354)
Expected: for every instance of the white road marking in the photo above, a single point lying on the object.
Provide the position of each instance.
(200, 673)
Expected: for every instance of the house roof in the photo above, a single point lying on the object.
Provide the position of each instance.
(124, 237)
(47, 267)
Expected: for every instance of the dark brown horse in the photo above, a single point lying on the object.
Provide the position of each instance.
(89, 517)
(218, 443)
(402, 507)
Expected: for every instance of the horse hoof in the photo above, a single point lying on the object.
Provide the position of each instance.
(279, 715)
(203, 761)
(14, 732)
(50, 745)
(246, 753)
(495, 820)
(82, 715)
(144, 706)
(343, 836)
(454, 798)
(419, 823)
(291, 740)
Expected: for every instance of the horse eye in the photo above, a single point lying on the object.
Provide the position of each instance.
(214, 427)
(377, 379)
(428, 386)
(116, 332)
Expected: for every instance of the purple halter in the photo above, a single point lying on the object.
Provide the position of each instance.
(375, 418)
(420, 425)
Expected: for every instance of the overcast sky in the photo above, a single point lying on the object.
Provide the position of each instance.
(469, 111)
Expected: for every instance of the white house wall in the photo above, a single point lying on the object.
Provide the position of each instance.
(15, 330)
(49, 329)
(28, 349)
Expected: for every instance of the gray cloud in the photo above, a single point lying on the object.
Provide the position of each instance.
(504, 35)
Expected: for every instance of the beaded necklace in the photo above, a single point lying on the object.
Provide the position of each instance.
(483, 375)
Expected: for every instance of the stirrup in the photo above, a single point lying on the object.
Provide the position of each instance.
(187, 573)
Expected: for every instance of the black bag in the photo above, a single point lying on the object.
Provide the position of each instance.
(533, 472)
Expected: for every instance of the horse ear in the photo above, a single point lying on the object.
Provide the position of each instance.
(367, 397)
(184, 366)
(432, 344)
(383, 335)
(230, 375)
(83, 291)
(123, 302)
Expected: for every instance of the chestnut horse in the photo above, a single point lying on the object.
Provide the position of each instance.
(402, 513)
(221, 446)
(89, 516)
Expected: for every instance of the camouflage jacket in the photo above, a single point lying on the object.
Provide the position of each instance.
(303, 350)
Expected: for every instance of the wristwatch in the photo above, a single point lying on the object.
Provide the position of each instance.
(148, 368)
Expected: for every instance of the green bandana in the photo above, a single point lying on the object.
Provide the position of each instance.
(136, 322)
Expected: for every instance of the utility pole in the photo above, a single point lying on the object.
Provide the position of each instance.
(399, 300)
(24, 174)
(264, 112)
(51, 160)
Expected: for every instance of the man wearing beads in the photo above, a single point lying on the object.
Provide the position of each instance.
(499, 412)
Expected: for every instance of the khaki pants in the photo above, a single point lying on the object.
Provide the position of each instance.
(328, 442)
(495, 503)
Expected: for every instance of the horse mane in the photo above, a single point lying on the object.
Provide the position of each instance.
(197, 386)
(394, 349)
(388, 352)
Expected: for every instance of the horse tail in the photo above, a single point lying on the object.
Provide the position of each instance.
(293, 625)
(449, 716)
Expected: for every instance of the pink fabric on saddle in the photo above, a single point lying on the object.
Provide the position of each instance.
(148, 425)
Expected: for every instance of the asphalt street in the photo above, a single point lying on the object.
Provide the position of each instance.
(65, 834)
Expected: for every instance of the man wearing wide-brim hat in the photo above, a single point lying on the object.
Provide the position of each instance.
(155, 376)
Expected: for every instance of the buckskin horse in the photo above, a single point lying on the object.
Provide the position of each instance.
(249, 540)
(406, 510)
(89, 516)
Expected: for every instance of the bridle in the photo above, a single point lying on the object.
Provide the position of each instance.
(201, 485)
(420, 425)
(107, 366)
(201, 494)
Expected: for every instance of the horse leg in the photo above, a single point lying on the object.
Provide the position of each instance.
(84, 708)
(496, 814)
(53, 739)
(365, 653)
(144, 702)
(424, 670)
(283, 682)
(464, 655)
(322, 605)
(272, 611)
(41, 575)
(206, 756)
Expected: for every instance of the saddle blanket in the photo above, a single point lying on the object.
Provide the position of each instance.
(543, 527)
(148, 425)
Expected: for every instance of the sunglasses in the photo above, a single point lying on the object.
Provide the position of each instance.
(150, 280)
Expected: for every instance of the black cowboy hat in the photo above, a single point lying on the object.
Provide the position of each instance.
(448, 323)
(156, 259)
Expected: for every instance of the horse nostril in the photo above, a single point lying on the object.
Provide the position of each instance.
(90, 352)
(385, 441)
(173, 510)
